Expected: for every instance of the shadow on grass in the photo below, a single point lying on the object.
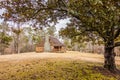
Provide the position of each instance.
(106, 72)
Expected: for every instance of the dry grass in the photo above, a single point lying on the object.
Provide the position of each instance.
(54, 66)
(74, 55)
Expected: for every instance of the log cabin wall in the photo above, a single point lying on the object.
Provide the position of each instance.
(39, 49)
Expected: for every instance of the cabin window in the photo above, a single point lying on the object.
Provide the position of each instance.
(57, 47)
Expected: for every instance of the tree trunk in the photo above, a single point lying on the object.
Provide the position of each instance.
(2, 52)
(16, 44)
(109, 56)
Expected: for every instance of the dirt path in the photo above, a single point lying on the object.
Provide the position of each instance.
(68, 55)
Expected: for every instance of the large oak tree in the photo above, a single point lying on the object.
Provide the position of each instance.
(99, 17)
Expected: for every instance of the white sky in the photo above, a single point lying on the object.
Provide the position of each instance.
(61, 24)
(1, 11)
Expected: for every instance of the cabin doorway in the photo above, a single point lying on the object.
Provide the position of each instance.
(57, 48)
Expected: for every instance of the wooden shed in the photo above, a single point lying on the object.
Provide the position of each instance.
(55, 45)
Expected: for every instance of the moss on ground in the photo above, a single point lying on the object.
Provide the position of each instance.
(54, 69)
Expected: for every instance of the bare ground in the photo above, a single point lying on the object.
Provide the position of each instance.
(73, 55)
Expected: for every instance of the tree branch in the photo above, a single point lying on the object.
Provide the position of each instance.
(117, 33)
(48, 8)
(86, 30)
(117, 44)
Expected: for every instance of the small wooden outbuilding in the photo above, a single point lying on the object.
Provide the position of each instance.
(55, 45)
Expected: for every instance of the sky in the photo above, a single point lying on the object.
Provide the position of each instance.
(61, 24)
(1, 11)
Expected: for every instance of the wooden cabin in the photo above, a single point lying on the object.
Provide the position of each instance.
(55, 45)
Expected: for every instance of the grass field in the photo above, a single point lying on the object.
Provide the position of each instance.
(55, 66)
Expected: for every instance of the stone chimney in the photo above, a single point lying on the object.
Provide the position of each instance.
(47, 44)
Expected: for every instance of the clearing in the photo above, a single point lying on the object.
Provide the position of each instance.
(55, 66)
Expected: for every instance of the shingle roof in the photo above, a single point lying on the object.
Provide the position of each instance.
(53, 41)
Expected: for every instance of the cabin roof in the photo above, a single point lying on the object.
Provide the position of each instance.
(53, 41)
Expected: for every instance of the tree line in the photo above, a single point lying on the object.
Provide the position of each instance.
(17, 39)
